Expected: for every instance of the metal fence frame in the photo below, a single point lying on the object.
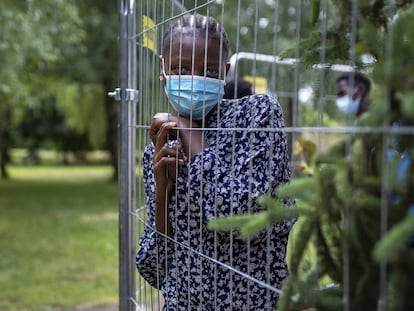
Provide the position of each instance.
(128, 96)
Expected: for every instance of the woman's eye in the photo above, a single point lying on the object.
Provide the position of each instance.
(181, 71)
(212, 73)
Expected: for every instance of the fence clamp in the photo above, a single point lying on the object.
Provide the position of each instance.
(130, 94)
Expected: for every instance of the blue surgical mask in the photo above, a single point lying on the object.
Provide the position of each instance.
(193, 96)
(348, 105)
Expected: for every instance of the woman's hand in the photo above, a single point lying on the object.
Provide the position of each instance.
(157, 121)
(166, 160)
(190, 135)
(165, 127)
(162, 129)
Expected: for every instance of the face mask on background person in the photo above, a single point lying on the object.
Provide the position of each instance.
(193, 96)
(348, 105)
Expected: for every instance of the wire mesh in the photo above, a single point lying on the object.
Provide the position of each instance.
(288, 50)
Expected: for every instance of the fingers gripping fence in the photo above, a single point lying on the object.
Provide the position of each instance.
(280, 114)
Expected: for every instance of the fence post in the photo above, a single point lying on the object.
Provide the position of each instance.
(127, 186)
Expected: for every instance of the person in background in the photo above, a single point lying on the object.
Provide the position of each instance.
(196, 169)
(237, 89)
(352, 90)
(354, 101)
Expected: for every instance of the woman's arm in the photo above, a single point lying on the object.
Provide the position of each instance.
(165, 162)
(165, 127)
(154, 251)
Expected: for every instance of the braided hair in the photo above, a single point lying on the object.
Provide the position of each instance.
(206, 25)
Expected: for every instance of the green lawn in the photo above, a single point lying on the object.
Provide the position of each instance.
(58, 237)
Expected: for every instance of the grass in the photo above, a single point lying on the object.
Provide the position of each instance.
(58, 237)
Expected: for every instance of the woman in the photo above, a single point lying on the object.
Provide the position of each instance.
(207, 162)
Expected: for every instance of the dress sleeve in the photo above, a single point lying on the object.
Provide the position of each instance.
(154, 250)
(228, 178)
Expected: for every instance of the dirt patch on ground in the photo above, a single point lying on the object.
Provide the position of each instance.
(155, 306)
(93, 308)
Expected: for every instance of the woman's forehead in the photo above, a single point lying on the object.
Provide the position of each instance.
(187, 40)
(343, 84)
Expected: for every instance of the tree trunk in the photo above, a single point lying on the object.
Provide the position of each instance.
(4, 144)
(112, 139)
(4, 157)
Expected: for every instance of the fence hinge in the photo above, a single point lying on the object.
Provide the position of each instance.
(130, 94)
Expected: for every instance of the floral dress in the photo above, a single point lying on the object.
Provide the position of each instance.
(198, 269)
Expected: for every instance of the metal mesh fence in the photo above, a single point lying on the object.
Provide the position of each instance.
(293, 51)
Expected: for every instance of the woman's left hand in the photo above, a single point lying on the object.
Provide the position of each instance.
(166, 157)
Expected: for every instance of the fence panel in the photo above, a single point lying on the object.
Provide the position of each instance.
(351, 154)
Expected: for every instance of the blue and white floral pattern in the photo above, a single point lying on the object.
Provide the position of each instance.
(206, 270)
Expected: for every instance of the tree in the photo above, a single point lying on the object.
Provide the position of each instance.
(99, 67)
(341, 204)
(28, 60)
(72, 58)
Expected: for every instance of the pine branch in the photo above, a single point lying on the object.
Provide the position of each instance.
(395, 240)
(326, 262)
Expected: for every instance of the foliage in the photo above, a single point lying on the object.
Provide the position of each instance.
(28, 59)
(84, 110)
(304, 152)
(342, 205)
(45, 126)
(396, 240)
(97, 73)
(58, 53)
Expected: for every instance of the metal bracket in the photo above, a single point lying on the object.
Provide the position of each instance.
(130, 94)
(116, 94)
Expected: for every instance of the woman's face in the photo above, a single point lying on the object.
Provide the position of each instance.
(343, 88)
(188, 48)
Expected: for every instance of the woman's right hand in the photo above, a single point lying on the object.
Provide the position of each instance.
(166, 159)
(192, 139)
(157, 121)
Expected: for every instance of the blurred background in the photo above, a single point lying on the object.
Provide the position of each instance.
(58, 154)
(59, 129)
